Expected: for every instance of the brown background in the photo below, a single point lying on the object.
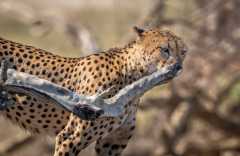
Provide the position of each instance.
(196, 115)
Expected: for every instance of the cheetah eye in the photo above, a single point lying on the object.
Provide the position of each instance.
(165, 53)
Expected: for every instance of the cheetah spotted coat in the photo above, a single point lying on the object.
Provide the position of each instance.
(117, 67)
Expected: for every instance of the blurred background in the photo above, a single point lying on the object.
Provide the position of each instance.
(198, 114)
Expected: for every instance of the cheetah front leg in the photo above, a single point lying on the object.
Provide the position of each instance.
(115, 143)
(73, 138)
(78, 134)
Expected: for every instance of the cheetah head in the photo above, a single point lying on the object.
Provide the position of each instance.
(160, 49)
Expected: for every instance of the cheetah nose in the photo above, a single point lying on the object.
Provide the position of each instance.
(178, 67)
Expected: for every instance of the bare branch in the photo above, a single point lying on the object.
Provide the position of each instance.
(86, 107)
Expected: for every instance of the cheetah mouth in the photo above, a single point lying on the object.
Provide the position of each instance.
(176, 70)
(179, 72)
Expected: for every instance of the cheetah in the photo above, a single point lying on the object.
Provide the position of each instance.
(152, 50)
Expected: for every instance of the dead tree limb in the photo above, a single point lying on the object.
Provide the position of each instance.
(86, 107)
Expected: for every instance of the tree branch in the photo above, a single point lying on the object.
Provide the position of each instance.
(86, 107)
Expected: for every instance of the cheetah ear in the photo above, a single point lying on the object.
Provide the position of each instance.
(139, 31)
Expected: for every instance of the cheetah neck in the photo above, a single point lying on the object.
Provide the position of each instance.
(133, 63)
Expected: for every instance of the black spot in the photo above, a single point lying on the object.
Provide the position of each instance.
(89, 138)
(112, 122)
(43, 72)
(23, 125)
(28, 121)
(66, 154)
(98, 150)
(28, 63)
(32, 110)
(18, 114)
(24, 55)
(132, 128)
(106, 145)
(4, 47)
(20, 107)
(49, 75)
(16, 118)
(54, 68)
(20, 60)
(129, 137)
(90, 69)
(110, 129)
(115, 147)
(123, 146)
(11, 59)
